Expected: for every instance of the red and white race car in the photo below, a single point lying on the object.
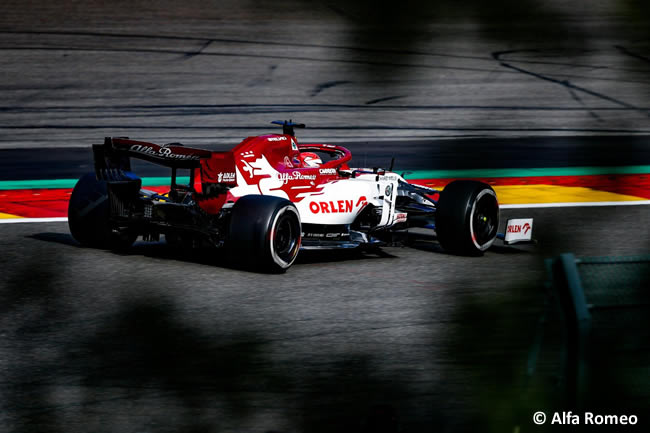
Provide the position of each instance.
(269, 197)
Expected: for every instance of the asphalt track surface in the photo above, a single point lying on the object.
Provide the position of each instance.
(160, 340)
(201, 73)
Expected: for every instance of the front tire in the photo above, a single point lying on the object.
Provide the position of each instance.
(467, 217)
(265, 232)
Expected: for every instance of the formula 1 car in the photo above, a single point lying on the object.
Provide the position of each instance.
(268, 198)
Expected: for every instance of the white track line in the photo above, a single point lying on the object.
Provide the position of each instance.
(32, 220)
(504, 206)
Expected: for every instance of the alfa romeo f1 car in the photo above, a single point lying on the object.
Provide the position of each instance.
(268, 198)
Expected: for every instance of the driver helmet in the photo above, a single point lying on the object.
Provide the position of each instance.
(310, 159)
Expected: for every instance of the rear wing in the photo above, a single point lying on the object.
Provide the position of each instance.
(113, 163)
(114, 154)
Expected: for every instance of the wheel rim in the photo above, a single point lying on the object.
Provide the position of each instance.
(286, 237)
(484, 219)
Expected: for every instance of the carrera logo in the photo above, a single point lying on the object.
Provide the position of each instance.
(517, 228)
(276, 138)
(327, 171)
(163, 152)
(226, 177)
(338, 206)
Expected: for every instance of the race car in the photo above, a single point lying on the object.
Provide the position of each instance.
(270, 197)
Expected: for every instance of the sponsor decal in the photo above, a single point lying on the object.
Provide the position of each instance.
(519, 230)
(226, 177)
(327, 171)
(296, 175)
(163, 152)
(336, 206)
(259, 177)
(389, 190)
(248, 154)
(294, 146)
(287, 162)
(323, 235)
(277, 139)
(401, 217)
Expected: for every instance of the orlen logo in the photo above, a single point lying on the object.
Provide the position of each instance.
(338, 206)
(516, 228)
(226, 177)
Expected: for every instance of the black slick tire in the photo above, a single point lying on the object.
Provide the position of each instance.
(88, 212)
(264, 233)
(89, 216)
(467, 217)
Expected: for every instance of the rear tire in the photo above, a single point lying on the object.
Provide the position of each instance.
(88, 212)
(265, 232)
(467, 217)
(89, 216)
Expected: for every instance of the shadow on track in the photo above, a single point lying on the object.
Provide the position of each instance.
(216, 257)
(137, 364)
(59, 238)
